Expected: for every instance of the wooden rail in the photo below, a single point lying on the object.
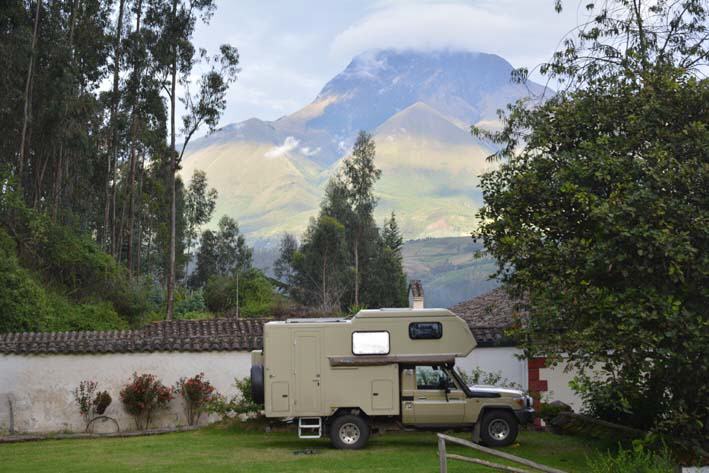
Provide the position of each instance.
(443, 457)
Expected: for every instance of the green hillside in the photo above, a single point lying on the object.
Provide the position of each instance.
(449, 269)
(53, 279)
(430, 167)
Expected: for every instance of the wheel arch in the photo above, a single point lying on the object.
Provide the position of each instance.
(487, 409)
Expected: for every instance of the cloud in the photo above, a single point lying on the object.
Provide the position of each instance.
(289, 144)
(519, 31)
(308, 151)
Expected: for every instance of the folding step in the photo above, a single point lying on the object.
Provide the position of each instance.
(310, 427)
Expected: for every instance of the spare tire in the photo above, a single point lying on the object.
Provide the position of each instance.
(257, 391)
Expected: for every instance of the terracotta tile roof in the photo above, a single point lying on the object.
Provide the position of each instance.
(220, 334)
(489, 315)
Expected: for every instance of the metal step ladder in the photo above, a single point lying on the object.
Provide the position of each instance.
(310, 427)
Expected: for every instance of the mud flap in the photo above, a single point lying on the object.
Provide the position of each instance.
(476, 432)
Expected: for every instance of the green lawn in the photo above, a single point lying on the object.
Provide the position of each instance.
(219, 449)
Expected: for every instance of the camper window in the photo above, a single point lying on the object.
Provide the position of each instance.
(425, 330)
(370, 343)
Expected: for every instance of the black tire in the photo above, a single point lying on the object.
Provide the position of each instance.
(257, 391)
(349, 432)
(499, 428)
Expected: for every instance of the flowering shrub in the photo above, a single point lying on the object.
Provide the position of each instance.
(91, 405)
(84, 397)
(142, 396)
(196, 392)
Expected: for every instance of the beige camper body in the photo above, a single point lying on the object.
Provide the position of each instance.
(344, 376)
(310, 368)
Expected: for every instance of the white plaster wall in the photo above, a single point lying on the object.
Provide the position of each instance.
(494, 359)
(41, 385)
(558, 378)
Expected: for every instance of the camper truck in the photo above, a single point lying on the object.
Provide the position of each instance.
(348, 377)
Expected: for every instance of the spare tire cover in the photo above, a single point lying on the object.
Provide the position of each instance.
(257, 391)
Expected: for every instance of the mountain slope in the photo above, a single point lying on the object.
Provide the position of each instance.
(419, 107)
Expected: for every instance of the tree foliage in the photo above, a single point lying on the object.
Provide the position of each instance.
(87, 104)
(599, 213)
(345, 260)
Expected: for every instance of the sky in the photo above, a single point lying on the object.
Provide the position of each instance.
(290, 48)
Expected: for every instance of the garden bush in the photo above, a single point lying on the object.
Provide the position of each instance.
(613, 401)
(635, 460)
(42, 259)
(196, 392)
(23, 304)
(191, 302)
(256, 295)
(63, 315)
(142, 396)
(242, 403)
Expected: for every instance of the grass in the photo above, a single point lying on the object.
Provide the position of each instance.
(233, 449)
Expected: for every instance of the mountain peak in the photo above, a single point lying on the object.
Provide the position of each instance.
(464, 85)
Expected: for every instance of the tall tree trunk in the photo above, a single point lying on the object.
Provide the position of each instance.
(135, 126)
(131, 219)
(28, 87)
(324, 284)
(58, 174)
(173, 192)
(111, 156)
(356, 262)
(39, 183)
(56, 187)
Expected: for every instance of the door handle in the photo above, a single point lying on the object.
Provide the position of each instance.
(375, 394)
(421, 397)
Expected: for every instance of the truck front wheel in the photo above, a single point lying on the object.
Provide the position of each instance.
(499, 428)
(349, 432)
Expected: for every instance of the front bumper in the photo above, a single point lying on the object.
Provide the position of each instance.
(524, 416)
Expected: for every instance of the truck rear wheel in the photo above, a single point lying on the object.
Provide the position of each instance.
(349, 432)
(499, 428)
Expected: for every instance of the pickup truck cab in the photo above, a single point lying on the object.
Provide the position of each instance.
(346, 378)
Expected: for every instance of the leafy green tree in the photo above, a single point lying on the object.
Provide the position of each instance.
(255, 293)
(174, 23)
(199, 206)
(321, 266)
(386, 285)
(359, 174)
(598, 210)
(370, 269)
(222, 253)
(233, 255)
(283, 267)
(207, 257)
(392, 235)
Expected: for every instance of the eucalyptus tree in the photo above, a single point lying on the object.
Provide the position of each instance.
(174, 22)
(359, 174)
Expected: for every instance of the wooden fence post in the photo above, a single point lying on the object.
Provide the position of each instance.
(442, 461)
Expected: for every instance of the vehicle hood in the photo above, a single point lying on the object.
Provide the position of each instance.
(495, 389)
